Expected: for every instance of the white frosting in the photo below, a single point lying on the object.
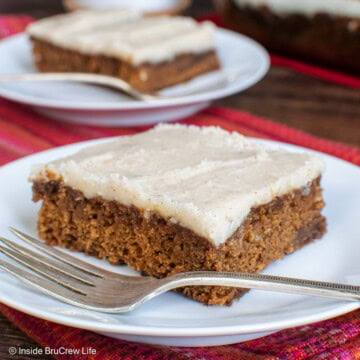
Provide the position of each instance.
(124, 34)
(206, 179)
(350, 8)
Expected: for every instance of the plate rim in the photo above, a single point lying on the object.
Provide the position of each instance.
(154, 104)
(226, 330)
(163, 331)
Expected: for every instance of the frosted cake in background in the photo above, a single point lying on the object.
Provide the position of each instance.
(150, 53)
(324, 31)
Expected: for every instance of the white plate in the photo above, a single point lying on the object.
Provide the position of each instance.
(143, 6)
(174, 320)
(80, 103)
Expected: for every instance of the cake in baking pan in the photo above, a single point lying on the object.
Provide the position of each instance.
(324, 31)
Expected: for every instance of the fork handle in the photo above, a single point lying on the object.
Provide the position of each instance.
(90, 78)
(266, 282)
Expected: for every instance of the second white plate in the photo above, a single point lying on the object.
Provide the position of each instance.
(243, 58)
(174, 320)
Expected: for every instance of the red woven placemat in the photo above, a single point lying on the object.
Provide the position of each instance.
(13, 24)
(335, 339)
(23, 132)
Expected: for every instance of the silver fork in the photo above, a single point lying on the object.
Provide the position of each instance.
(116, 83)
(78, 283)
(97, 79)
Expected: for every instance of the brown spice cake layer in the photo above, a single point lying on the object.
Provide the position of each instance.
(332, 40)
(144, 77)
(157, 247)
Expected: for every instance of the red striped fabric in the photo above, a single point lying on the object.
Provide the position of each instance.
(10, 25)
(24, 132)
(316, 71)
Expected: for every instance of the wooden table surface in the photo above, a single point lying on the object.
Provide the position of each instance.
(324, 109)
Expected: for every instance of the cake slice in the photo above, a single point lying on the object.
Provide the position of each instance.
(150, 53)
(182, 198)
(326, 31)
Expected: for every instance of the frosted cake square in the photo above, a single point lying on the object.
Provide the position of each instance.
(150, 53)
(182, 198)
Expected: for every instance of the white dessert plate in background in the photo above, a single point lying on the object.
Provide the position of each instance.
(174, 320)
(152, 7)
(241, 58)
